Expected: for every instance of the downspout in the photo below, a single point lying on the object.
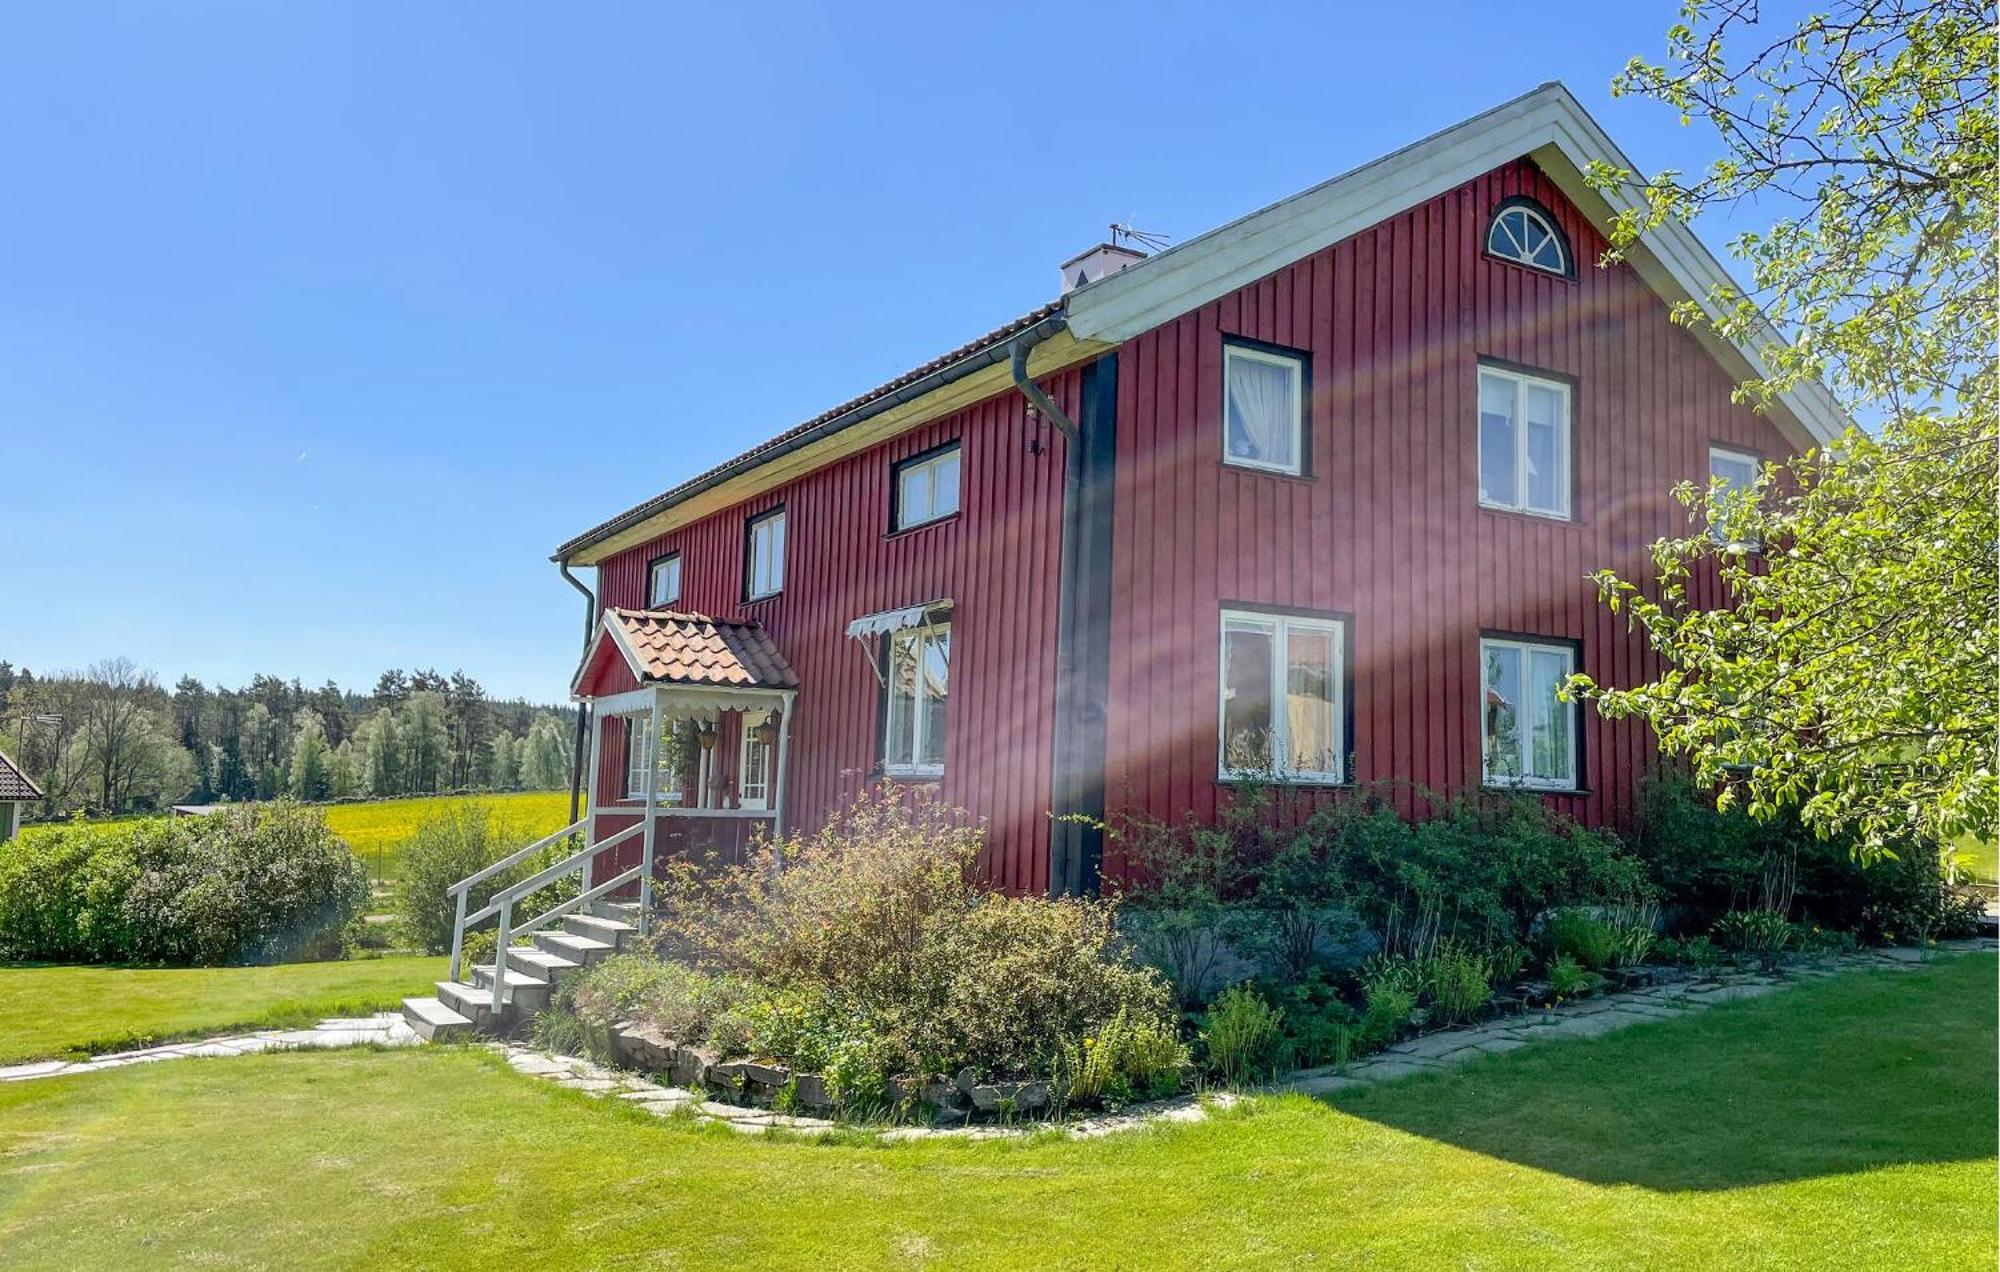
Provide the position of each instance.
(1063, 871)
(582, 709)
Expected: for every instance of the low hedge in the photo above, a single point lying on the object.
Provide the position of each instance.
(256, 884)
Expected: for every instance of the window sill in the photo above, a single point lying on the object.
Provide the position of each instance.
(768, 596)
(1521, 788)
(1325, 783)
(921, 526)
(1252, 470)
(1547, 518)
(909, 779)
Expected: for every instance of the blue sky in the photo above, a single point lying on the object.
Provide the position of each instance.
(320, 325)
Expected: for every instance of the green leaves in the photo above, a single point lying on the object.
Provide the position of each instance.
(1848, 671)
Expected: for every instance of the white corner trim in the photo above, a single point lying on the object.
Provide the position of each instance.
(1547, 123)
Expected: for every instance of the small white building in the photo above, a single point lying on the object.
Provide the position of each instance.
(16, 789)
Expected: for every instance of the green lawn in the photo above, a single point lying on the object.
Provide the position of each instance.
(1845, 1123)
(51, 1011)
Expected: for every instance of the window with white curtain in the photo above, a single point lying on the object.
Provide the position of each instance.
(1524, 435)
(1529, 735)
(917, 686)
(663, 581)
(927, 487)
(639, 752)
(1263, 409)
(1282, 709)
(764, 555)
(1736, 473)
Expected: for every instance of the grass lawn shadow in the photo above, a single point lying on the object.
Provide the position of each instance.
(1845, 1075)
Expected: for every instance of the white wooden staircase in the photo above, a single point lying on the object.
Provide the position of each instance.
(501, 996)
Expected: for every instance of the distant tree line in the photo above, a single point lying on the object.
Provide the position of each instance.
(112, 739)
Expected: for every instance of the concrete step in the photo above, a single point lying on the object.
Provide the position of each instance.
(623, 911)
(433, 1021)
(539, 963)
(525, 992)
(474, 1003)
(580, 950)
(614, 932)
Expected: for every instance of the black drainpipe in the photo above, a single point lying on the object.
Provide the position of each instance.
(1083, 619)
(582, 708)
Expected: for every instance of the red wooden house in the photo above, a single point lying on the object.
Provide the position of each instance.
(1318, 490)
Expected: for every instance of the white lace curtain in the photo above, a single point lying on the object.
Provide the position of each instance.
(1260, 411)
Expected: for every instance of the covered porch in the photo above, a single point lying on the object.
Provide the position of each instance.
(690, 721)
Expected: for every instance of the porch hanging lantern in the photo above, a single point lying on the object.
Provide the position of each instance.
(767, 731)
(706, 736)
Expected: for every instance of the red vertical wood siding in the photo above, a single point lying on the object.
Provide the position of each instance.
(997, 561)
(1387, 527)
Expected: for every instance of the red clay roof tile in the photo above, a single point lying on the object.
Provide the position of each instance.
(694, 649)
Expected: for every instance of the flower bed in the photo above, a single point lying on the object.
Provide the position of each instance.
(863, 970)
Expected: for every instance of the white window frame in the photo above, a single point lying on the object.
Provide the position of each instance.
(1548, 227)
(1755, 463)
(929, 466)
(1281, 625)
(764, 555)
(1521, 382)
(637, 756)
(1524, 738)
(749, 743)
(653, 599)
(1295, 365)
(919, 636)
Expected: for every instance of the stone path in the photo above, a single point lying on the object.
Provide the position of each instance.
(384, 1029)
(1595, 1017)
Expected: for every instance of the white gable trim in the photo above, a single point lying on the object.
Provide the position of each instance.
(1548, 124)
(608, 628)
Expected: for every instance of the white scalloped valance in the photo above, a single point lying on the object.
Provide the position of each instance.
(896, 620)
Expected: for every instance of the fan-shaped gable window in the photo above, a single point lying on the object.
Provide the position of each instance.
(1525, 233)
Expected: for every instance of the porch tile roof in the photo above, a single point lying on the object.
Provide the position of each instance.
(696, 649)
(14, 784)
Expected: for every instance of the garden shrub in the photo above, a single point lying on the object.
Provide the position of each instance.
(873, 946)
(1571, 979)
(1244, 1036)
(1634, 929)
(1709, 862)
(1127, 1059)
(451, 843)
(254, 884)
(1698, 952)
(1759, 934)
(1320, 1028)
(1581, 935)
(1461, 982)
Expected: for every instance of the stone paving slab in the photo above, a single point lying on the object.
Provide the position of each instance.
(385, 1029)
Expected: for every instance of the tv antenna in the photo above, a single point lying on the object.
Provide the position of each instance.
(1124, 234)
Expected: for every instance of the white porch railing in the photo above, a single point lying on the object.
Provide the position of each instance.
(502, 903)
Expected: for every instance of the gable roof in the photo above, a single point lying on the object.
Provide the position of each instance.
(1547, 125)
(677, 648)
(14, 784)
